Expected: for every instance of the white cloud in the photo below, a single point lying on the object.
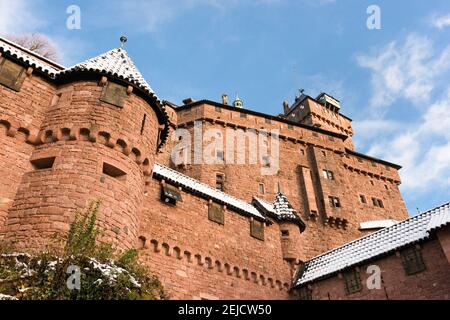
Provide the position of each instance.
(409, 71)
(414, 71)
(422, 148)
(18, 16)
(440, 21)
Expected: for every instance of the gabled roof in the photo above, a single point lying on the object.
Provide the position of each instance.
(191, 185)
(116, 63)
(280, 209)
(30, 58)
(382, 242)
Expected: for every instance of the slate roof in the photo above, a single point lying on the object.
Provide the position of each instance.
(178, 179)
(30, 58)
(280, 209)
(382, 242)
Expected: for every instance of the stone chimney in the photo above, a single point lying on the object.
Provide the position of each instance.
(285, 106)
(225, 99)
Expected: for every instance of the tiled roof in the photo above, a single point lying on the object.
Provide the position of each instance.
(280, 209)
(190, 184)
(283, 208)
(116, 63)
(376, 224)
(379, 243)
(30, 58)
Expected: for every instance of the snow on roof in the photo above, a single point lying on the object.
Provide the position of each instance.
(31, 58)
(191, 184)
(376, 224)
(283, 208)
(386, 240)
(116, 63)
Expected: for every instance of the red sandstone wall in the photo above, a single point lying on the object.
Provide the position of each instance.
(195, 257)
(307, 189)
(433, 283)
(82, 133)
(21, 114)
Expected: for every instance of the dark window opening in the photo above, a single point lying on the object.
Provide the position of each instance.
(143, 124)
(334, 202)
(412, 260)
(285, 233)
(44, 163)
(170, 195)
(219, 182)
(114, 172)
(266, 161)
(352, 282)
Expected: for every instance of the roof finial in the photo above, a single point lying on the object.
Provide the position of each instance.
(123, 40)
(279, 187)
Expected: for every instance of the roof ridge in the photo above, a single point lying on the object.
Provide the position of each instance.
(33, 53)
(377, 232)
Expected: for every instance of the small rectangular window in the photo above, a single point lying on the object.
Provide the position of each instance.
(315, 134)
(257, 229)
(375, 202)
(261, 188)
(334, 202)
(44, 163)
(324, 153)
(12, 75)
(290, 127)
(219, 182)
(327, 174)
(302, 152)
(412, 260)
(219, 154)
(243, 115)
(215, 213)
(285, 233)
(352, 282)
(114, 172)
(266, 161)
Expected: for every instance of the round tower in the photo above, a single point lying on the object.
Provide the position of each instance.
(98, 141)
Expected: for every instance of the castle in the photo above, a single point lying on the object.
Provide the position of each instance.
(216, 230)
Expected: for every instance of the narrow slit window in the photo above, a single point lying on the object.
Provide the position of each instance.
(219, 182)
(143, 124)
(261, 188)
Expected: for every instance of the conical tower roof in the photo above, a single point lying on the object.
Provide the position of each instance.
(283, 207)
(117, 64)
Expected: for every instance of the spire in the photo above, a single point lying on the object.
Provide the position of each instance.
(238, 103)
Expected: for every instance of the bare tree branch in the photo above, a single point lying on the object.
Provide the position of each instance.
(38, 43)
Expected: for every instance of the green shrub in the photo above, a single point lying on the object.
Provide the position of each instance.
(105, 274)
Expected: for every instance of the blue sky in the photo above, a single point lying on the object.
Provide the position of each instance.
(393, 82)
